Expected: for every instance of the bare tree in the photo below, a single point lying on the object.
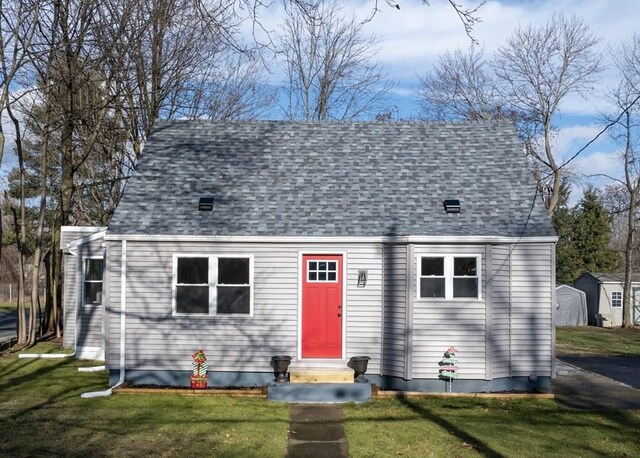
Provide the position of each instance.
(461, 86)
(231, 87)
(19, 23)
(536, 70)
(625, 131)
(330, 66)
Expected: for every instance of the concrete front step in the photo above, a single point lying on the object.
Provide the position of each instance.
(319, 393)
(321, 375)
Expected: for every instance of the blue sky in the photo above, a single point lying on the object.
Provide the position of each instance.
(411, 39)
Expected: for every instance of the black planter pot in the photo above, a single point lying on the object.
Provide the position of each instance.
(359, 366)
(280, 364)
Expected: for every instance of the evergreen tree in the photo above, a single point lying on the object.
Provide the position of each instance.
(592, 235)
(567, 261)
(584, 237)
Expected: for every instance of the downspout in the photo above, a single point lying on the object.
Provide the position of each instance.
(123, 316)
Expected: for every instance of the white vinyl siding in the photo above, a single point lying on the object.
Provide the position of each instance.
(532, 287)
(500, 339)
(439, 324)
(158, 340)
(90, 332)
(395, 309)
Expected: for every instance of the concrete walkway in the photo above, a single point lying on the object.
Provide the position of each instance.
(316, 430)
(581, 389)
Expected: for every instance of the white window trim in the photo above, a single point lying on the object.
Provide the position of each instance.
(613, 301)
(448, 276)
(84, 272)
(213, 284)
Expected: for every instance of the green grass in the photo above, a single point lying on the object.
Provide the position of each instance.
(590, 340)
(422, 427)
(42, 414)
(8, 305)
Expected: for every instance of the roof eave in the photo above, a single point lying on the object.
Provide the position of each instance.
(337, 239)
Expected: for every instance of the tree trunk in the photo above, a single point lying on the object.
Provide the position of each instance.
(627, 321)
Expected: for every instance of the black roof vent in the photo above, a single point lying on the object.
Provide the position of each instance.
(452, 206)
(205, 204)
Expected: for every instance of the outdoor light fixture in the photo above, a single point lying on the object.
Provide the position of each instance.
(452, 206)
(362, 278)
(205, 204)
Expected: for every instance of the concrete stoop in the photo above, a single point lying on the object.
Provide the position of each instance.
(319, 393)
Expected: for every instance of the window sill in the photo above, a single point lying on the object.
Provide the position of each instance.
(455, 299)
(207, 315)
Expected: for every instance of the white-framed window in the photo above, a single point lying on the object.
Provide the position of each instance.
(449, 277)
(616, 299)
(92, 271)
(213, 285)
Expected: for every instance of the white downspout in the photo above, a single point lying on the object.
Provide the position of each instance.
(123, 315)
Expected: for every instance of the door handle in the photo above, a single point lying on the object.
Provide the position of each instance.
(339, 315)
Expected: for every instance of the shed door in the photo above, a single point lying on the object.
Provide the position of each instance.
(635, 315)
(322, 307)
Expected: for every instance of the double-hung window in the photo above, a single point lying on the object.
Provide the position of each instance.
(92, 281)
(449, 277)
(213, 285)
(616, 299)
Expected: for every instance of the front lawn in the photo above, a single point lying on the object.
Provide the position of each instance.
(6, 305)
(42, 414)
(422, 427)
(590, 340)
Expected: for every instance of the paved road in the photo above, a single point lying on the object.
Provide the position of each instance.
(620, 368)
(7, 324)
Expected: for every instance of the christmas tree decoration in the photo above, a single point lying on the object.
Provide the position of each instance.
(448, 368)
(199, 375)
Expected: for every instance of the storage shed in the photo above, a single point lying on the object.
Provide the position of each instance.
(571, 306)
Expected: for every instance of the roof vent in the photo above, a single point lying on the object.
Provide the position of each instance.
(205, 204)
(452, 206)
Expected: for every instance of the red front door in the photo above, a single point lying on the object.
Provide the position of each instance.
(322, 306)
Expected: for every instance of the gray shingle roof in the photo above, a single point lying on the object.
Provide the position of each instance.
(614, 277)
(332, 179)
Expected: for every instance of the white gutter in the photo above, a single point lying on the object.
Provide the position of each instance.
(348, 239)
(123, 315)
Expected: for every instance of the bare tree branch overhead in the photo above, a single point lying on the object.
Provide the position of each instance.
(624, 129)
(330, 65)
(461, 86)
(536, 70)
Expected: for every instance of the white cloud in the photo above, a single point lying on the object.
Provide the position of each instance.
(593, 165)
(570, 139)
